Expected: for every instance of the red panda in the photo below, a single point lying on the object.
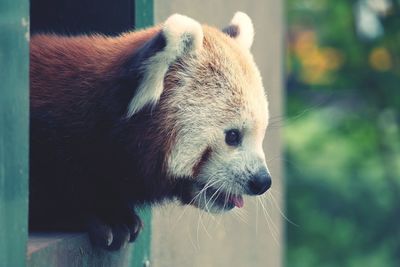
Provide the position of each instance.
(177, 111)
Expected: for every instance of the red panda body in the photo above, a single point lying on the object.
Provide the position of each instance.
(82, 160)
(170, 112)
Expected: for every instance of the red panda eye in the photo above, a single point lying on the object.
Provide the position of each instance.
(232, 137)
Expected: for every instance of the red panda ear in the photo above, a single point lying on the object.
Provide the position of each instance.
(241, 29)
(180, 35)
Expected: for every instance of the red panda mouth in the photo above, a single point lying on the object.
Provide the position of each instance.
(237, 200)
(212, 199)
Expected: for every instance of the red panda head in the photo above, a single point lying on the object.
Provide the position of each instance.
(206, 95)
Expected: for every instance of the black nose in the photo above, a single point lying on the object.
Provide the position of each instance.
(260, 182)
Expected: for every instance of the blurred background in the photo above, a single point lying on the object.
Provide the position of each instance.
(341, 133)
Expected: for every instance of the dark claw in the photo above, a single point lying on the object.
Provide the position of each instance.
(117, 233)
(135, 226)
(121, 237)
(100, 234)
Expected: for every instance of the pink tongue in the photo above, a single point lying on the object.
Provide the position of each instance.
(237, 201)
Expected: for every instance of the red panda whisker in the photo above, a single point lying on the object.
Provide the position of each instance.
(270, 223)
(218, 192)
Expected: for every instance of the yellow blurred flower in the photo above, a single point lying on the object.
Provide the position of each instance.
(380, 59)
(317, 63)
(304, 43)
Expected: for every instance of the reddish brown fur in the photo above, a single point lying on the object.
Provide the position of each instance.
(85, 157)
(60, 63)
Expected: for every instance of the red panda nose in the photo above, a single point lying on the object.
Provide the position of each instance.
(260, 182)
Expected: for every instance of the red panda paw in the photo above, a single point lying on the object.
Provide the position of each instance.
(114, 235)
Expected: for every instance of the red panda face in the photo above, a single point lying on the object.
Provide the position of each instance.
(212, 108)
(216, 102)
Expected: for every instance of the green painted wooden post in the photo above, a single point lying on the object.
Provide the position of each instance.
(144, 13)
(14, 119)
(141, 248)
(143, 17)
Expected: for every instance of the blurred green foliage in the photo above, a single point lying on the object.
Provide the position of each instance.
(343, 135)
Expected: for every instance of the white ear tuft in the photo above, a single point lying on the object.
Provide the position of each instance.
(245, 33)
(182, 35)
